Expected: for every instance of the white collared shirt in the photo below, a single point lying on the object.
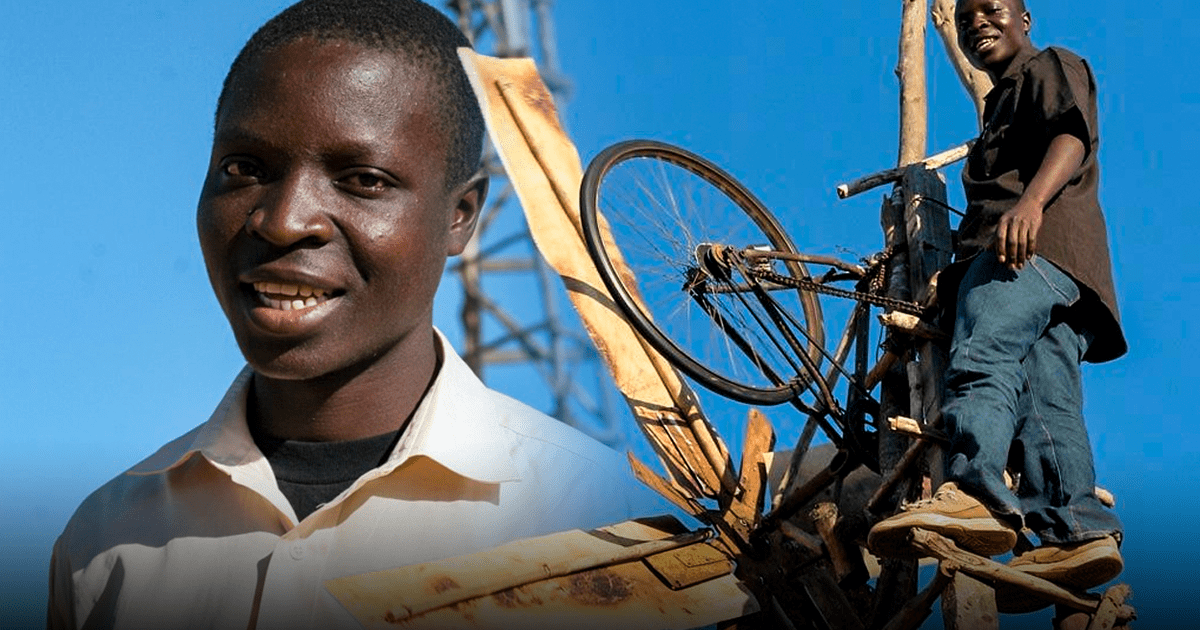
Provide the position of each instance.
(198, 535)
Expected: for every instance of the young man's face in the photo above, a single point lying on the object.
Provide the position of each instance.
(991, 32)
(325, 218)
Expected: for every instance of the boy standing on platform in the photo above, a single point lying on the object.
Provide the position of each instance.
(1033, 296)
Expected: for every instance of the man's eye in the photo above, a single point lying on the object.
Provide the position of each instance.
(242, 168)
(367, 181)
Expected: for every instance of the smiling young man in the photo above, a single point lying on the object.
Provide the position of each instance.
(1033, 296)
(344, 170)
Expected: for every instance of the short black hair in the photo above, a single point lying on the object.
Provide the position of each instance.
(1019, 4)
(410, 28)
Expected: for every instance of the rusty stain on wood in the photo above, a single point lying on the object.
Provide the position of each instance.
(599, 588)
(515, 598)
(443, 584)
(533, 92)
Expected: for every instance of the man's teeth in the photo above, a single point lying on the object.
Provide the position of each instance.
(289, 297)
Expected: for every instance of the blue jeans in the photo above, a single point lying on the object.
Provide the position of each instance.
(1014, 398)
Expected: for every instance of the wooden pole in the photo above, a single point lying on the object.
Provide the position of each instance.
(911, 71)
(863, 184)
(844, 555)
(897, 582)
(922, 233)
(927, 227)
(898, 577)
(969, 604)
(990, 571)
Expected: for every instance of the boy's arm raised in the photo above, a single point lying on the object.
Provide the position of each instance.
(1016, 233)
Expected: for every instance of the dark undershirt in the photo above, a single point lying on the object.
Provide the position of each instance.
(311, 474)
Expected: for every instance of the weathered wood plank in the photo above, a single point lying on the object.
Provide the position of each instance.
(969, 604)
(897, 581)
(844, 555)
(690, 565)
(992, 571)
(585, 579)
(927, 225)
(671, 492)
(887, 176)
(545, 170)
(745, 510)
(911, 71)
(1112, 609)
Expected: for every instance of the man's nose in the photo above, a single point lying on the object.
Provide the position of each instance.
(291, 212)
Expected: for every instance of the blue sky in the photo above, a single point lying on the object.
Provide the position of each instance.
(113, 344)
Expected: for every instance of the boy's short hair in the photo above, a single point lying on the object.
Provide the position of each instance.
(411, 28)
(1019, 5)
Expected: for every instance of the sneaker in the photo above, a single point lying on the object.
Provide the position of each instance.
(1076, 566)
(951, 513)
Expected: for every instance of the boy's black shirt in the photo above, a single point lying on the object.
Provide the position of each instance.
(1044, 94)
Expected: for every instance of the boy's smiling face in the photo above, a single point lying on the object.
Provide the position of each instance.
(325, 219)
(992, 32)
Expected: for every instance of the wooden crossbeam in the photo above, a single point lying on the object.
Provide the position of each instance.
(990, 571)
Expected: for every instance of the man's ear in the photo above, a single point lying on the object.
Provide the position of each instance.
(469, 198)
(1027, 22)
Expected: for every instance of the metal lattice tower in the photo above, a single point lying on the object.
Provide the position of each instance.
(517, 322)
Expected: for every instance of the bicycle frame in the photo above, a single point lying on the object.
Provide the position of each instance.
(716, 266)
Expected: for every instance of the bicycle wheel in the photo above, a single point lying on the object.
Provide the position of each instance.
(659, 203)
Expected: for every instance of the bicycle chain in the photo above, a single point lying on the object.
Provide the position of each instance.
(816, 287)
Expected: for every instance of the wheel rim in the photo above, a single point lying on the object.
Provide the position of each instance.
(661, 202)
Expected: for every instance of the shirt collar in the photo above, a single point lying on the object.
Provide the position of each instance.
(459, 426)
(224, 439)
(456, 424)
(1020, 60)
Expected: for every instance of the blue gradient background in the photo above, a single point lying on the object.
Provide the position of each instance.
(113, 344)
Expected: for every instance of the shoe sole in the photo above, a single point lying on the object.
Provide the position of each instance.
(1082, 572)
(980, 536)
